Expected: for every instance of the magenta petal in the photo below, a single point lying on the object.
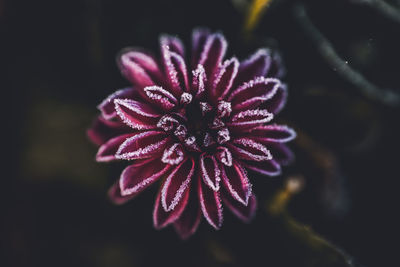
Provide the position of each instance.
(236, 182)
(114, 193)
(276, 103)
(257, 65)
(210, 203)
(160, 97)
(210, 171)
(245, 213)
(173, 155)
(107, 152)
(199, 80)
(248, 149)
(173, 43)
(142, 145)
(162, 218)
(199, 38)
(138, 176)
(249, 118)
(251, 94)
(224, 79)
(276, 69)
(189, 220)
(103, 130)
(273, 133)
(269, 167)
(224, 155)
(139, 68)
(280, 153)
(176, 184)
(213, 52)
(107, 107)
(136, 114)
(175, 70)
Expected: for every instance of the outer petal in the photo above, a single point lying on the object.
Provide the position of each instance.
(107, 152)
(173, 43)
(162, 218)
(236, 182)
(189, 220)
(257, 65)
(273, 133)
(176, 184)
(224, 79)
(251, 94)
(103, 130)
(107, 107)
(114, 193)
(213, 52)
(138, 176)
(210, 203)
(136, 114)
(245, 213)
(280, 153)
(249, 119)
(276, 103)
(210, 171)
(248, 149)
(175, 70)
(142, 145)
(269, 168)
(199, 38)
(139, 68)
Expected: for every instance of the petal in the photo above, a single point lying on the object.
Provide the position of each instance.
(136, 114)
(210, 171)
(251, 94)
(199, 38)
(173, 155)
(138, 176)
(213, 52)
(176, 184)
(199, 80)
(257, 65)
(224, 79)
(269, 167)
(142, 145)
(139, 68)
(273, 133)
(210, 203)
(161, 97)
(175, 70)
(162, 218)
(250, 118)
(114, 193)
(248, 149)
(245, 213)
(236, 182)
(189, 220)
(281, 153)
(173, 43)
(277, 102)
(103, 130)
(107, 152)
(107, 107)
(224, 155)
(276, 69)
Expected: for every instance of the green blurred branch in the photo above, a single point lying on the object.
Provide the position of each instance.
(383, 8)
(328, 52)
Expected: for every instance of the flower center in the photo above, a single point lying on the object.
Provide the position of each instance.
(199, 126)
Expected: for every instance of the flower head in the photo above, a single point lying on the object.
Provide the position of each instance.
(195, 126)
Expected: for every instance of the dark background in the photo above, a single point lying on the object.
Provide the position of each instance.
(58, 63)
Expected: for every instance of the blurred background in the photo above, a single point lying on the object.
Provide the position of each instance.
(58, 62)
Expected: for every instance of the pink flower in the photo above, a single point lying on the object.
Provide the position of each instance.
(195, 127)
